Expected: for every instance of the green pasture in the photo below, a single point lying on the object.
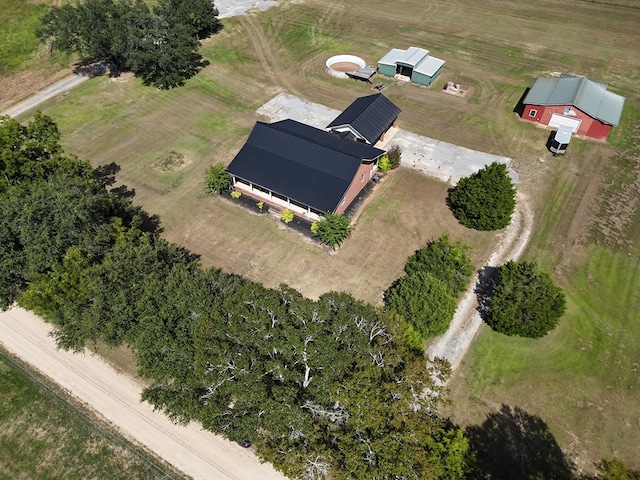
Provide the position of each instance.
(581, 379)
(18, 41)
(42, 435)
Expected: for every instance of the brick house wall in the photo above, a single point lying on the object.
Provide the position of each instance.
(360, 179)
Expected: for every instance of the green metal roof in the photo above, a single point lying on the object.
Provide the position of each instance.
(591, 97)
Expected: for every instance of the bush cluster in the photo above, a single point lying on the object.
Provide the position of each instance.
(331, 229)
(427, 296)
(217, 179)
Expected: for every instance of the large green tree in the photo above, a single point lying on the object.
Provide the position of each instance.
(50, 202)
(159, 46)
(524, 301)
(40, 220)
(484, 200)
(424, 301)
(33, 151)
(447, 261)
(96, 29)
(200, 17)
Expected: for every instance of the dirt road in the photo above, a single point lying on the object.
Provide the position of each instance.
(466, 322)
(116, 397)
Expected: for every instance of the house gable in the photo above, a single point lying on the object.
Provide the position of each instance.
(367, 118)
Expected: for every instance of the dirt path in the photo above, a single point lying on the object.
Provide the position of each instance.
(51, 91)
(116, 397)
(466, 321)
(268, 59)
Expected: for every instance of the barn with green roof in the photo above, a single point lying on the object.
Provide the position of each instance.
(587, 107)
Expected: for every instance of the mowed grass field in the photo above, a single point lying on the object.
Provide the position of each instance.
(581, 379)
(42, 435)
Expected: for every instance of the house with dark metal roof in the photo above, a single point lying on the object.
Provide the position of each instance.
(367, 119)
(308, 170)
(577, 102)
(414, 63)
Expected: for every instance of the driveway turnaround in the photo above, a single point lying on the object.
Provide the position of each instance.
(116, 397)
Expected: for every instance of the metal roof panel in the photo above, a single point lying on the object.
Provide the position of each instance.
(429, 66)
(370, 116)
(591, 97)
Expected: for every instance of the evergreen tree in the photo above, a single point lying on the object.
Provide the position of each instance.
(424, 301)
(525, 301)
(484, 200)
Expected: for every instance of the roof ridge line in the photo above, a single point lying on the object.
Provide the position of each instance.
(302, 137)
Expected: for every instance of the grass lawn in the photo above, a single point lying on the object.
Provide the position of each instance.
(579, 380)
(582, 379)
(42, 435)
(19, 20)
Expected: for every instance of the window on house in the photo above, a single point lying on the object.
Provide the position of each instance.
(362, 178)
(533, 112)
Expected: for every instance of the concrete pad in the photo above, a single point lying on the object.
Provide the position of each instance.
(232, 8)
(284, 106)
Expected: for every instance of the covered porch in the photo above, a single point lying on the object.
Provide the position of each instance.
(276, 200)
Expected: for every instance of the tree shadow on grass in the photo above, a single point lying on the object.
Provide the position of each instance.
(105, 176)
(90, 67)
(487, 277)
(514, 445)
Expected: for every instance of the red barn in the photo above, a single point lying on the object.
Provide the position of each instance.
(582, 104)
